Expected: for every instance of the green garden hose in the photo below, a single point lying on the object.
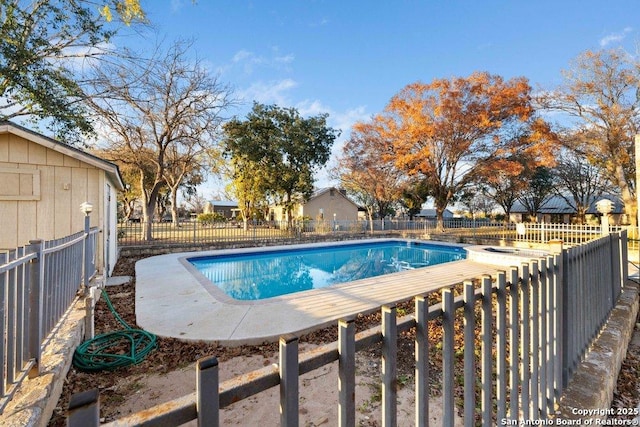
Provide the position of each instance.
(115, 349)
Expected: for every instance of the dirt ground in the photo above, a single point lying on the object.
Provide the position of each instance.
(169, 372)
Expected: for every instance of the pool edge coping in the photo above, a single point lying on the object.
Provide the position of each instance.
(222, 297)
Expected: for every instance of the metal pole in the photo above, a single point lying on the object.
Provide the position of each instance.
(289, 381)
(85, 280)
(207, 403)
(637, 234)
(422, 361)
(347, 373)
(469, 354)
(36, 298)
(389, 366)
(84, 409)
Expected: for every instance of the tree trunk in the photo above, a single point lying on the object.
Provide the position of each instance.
(630, 208)
(149, 201)
(174, 207)
(439, 217)
(370, 214)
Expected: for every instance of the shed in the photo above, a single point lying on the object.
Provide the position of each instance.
(43, 182)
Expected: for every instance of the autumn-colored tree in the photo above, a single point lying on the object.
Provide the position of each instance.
(452, 130)
(373, 184)
(601, 91)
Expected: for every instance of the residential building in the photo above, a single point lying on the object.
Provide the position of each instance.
(43, 182)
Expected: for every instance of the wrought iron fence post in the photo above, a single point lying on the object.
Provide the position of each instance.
(255, 225)
(36, 290)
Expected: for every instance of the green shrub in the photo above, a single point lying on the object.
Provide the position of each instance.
(210, 218)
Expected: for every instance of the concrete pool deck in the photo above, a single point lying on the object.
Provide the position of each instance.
(172, 302)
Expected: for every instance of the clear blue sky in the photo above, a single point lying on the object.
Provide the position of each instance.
(348, 58)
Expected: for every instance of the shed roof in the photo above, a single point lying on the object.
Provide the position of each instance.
(110, 169)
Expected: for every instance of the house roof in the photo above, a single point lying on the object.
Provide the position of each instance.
(342, 193)
(558, 205)
(431, 213)
(110, 169)
(224, 203)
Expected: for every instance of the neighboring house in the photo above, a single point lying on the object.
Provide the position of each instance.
(325, 204)
(431, 214)
(226, 208)
(557, 210)
(43, 182)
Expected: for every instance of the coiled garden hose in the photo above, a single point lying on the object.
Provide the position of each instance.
(115, 349)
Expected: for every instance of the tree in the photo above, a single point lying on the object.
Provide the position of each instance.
(601, 92)
(504, 187)
(185, 165)
(41, 44)
(476, 201)
(249, 184)
(537, 192)
(373, 184)
(450, 131)
(159, 112)
(414, 194)
(578, 182)
(284, 148)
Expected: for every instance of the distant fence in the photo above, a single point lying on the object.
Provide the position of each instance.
(38, 283)
(534, 323)
(462, 230)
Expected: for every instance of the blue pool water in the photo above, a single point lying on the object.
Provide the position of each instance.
(260, 275)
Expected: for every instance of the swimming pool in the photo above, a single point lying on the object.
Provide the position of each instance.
(269, 273)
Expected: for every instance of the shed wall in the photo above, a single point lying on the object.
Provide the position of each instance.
(51, 188)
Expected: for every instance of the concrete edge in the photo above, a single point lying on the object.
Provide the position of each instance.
(36, 398)
(591, 388)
